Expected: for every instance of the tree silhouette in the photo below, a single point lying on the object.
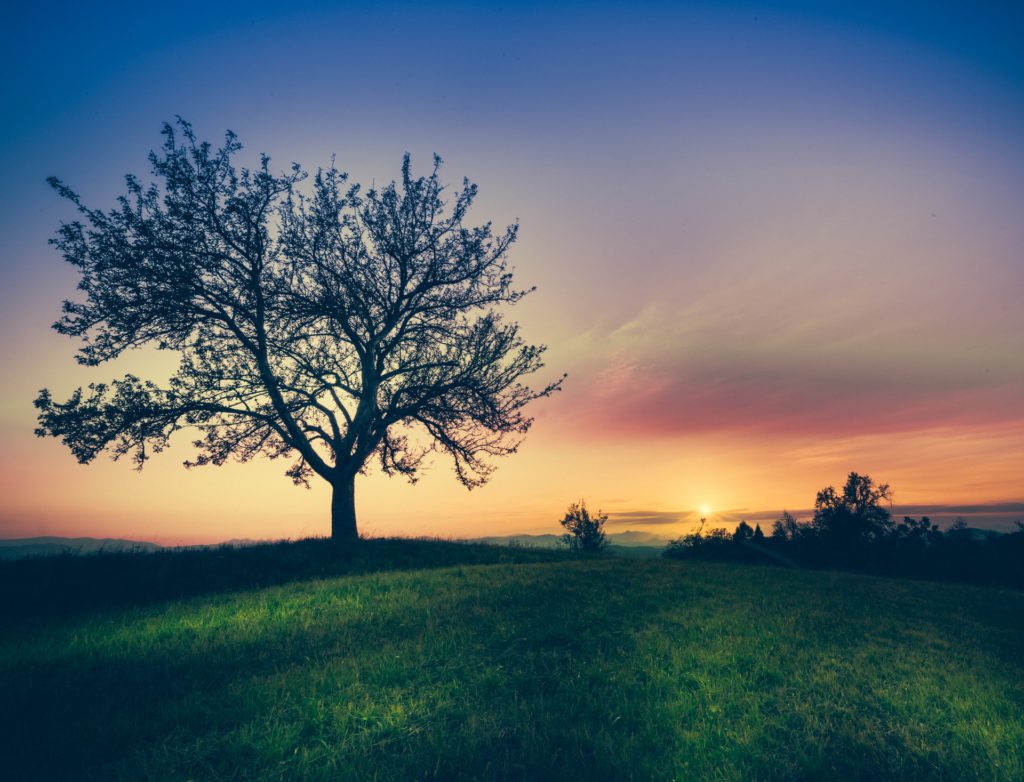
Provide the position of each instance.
(319, 323)
(743, 532)
(786, 527)
(855, 514)
(584, 532)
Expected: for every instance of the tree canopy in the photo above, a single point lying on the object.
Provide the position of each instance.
(855, 513)
(314, 321)
(584, 531)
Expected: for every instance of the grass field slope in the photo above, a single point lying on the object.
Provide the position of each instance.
(606, 668)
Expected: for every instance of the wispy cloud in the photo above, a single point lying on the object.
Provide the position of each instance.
(649, 517)
(696, 370)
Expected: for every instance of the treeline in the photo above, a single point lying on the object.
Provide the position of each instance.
(852, 529)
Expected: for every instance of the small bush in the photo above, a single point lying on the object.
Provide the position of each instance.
(583, 531)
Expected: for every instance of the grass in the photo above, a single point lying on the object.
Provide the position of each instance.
(47, 587)
(558, 669)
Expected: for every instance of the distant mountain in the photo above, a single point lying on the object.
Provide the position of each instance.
(242, 542)
(637, 538)
(530, 541)
(49, 545)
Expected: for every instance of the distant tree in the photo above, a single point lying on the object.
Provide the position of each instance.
(680, 546)
(743, 532)
(916, 531)
(583, 531)
(322, 324)
(852, 529)
(959, 530)
(855, 514)
(786, 527)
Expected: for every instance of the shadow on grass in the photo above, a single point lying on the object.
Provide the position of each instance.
(503, 648)
(607, 670)
(53, 587)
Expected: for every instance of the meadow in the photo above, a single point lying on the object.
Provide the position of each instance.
(504, 664)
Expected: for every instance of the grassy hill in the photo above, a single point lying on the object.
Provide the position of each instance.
(552, 669)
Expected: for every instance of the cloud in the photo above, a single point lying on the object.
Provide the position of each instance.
(649, 517)
(701, 370)
(995, 507)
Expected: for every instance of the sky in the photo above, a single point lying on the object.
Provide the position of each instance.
(772, 243)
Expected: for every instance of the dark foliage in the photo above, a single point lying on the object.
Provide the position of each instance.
(743, 532)
(715, 543)
(786, 527)
(584, 532)
(847, 519)
(313, 321)
(852, 530)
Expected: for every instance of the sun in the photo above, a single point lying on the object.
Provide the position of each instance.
(705, 510)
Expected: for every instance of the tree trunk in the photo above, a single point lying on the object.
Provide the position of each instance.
(343, 511)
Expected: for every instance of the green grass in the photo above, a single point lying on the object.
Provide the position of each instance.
(571, 669)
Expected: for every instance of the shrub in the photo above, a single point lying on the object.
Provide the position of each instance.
(583, 531)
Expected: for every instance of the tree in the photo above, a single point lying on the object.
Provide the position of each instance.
(786, 527)
(313, 321)
(583, 531)
(920, 532)
(854, 515)
(743, 532)
(684, 544)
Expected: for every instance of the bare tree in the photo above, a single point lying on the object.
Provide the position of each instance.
(313, 321)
